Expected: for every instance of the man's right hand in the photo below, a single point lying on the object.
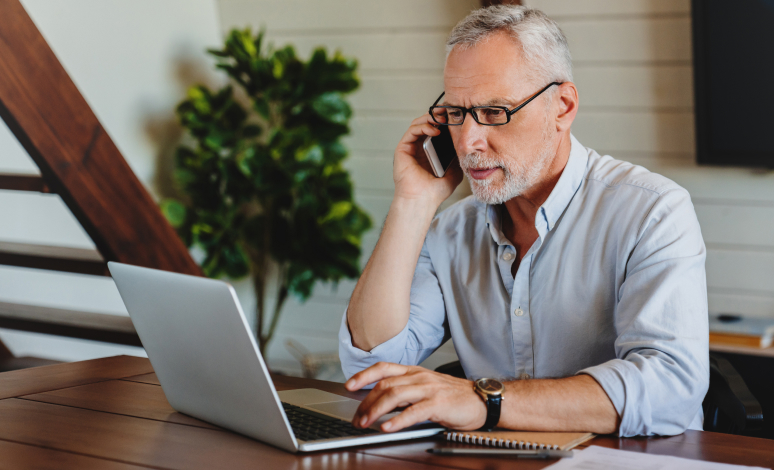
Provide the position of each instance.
(413, 176)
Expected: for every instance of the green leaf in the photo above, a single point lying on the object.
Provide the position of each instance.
(174, 212)
(247, 44)
(332, 107)
(262, 106)
(338, 211)
(313, 154)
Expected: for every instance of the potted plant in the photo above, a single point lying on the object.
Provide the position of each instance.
(262, 190)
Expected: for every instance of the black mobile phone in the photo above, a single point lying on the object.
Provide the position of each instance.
(440, 151)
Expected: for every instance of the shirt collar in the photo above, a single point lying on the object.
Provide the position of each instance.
(557, 201)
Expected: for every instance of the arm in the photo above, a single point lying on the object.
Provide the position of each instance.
(380, 304)
(661, 374)
(569, 404)
(425, 331)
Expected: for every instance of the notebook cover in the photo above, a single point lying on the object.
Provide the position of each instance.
(520, 439)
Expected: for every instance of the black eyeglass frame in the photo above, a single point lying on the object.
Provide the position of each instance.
(467, 111)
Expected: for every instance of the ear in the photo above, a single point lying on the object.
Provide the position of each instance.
(568, 106)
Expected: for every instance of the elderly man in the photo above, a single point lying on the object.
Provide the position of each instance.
(572, 284)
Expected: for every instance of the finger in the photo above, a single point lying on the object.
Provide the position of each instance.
(410, 148)
(418, 131)
(412, 415)
(422, 119)
(390, 399)
(421, 126)
(384, 387)
(373, 374)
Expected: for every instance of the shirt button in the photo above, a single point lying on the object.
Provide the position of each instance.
(518, 312)
(524, 376)
(508, 256)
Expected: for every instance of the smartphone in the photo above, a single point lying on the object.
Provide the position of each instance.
(440, 151)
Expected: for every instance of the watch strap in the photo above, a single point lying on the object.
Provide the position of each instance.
(492, 412)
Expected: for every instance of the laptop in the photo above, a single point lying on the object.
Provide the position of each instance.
(206, 358)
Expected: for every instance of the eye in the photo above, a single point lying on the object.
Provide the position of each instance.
(493, 112)
(456, 115)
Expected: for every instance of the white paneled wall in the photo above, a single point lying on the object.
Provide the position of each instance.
(633, 69)
(399, 45)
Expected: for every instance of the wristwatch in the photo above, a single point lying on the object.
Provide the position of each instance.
(491, 391)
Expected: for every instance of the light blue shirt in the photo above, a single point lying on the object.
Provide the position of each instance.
(614, 287)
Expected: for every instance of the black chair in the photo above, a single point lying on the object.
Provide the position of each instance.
(729, 407)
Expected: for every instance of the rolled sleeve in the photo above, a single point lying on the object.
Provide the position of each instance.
(661, 374)
(425, 331)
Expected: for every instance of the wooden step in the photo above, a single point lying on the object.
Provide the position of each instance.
(72, 323)
(55, 258)
(22, 182)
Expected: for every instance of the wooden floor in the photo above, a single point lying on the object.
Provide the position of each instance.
(111, 413)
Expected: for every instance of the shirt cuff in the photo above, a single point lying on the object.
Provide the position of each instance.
(620, 380)
(354, 359)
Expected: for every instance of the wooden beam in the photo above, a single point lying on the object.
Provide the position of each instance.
(78, 160)
(54, 258)
(62, 322)
(15, 182)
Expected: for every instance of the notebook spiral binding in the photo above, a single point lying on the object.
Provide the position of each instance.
(488, 441)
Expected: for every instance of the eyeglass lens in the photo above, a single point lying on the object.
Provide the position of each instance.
(455, 116)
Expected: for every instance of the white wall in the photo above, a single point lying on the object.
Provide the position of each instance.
(633, 68)
(133, 62)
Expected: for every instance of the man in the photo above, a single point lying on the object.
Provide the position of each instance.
(574, 279)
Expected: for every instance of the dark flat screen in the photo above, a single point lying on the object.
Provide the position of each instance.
(733, 74)
(444, 147)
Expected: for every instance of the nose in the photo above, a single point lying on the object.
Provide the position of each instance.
(470, 138)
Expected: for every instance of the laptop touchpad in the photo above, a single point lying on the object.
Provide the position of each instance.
(324, 402)
(340, 409)
(346, 411)
(311, 396)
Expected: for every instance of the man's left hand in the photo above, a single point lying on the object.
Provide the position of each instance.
(428, 396)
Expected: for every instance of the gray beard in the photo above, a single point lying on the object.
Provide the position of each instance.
(518, 177)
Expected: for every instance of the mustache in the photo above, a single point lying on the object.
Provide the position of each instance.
(476, 160)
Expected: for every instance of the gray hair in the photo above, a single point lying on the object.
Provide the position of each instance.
(542, 43)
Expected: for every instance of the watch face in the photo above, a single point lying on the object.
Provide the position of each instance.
(490, 386)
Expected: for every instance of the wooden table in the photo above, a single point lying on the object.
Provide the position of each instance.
(112, 414)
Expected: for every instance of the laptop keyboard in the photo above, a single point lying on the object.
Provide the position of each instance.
(311, 426)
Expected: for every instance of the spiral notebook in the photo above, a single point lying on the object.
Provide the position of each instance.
(520, 440)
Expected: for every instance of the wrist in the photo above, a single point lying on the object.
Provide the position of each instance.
(481, 408)
(424, 206)
(491, 391)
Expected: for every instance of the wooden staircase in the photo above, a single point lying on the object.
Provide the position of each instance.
(80, 163)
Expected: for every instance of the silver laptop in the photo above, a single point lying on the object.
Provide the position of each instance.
(206, 358)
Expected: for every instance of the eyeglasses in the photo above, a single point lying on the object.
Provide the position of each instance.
(484, 115)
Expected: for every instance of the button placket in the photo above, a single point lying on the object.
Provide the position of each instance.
(521, 328)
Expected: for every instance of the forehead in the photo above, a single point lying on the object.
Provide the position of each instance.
(489, 70)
